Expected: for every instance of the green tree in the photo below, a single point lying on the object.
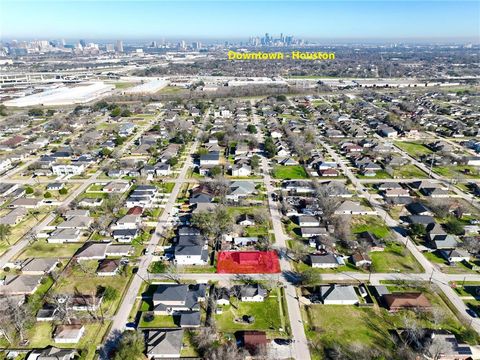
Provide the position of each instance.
(3, 110)
(131, 346)
(454, 226)
(252, 129)
(126, 113)
(28, 190)
(116, 112)
(63, 191)
(310, 277)
(110, 293)
(270, 148)
(47, 195)
(35, 112)
(255, 161)
(215, 171)
(172, 161)
(5, 232)
(106, 152)
(50, 112)
(418, 230)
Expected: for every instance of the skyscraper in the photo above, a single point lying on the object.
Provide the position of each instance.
(119, 46)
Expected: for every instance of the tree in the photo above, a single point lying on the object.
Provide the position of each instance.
(343, 227)
(29, 190)
(126, 113)
(454, 226)
(269, 147)
(215, 171)
(471, 243)
(326, 198)
(116, 112)
(5, 232)
(47, 195)
(310, 277)
(299, 251)
(110, 293)
(171, 273)
(417, 230)
(15, 319)
(255, 162)
(131, 346)
(35, 112)
(63, 191)
(252, 129)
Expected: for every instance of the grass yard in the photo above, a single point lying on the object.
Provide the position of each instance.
(409, 171)
(159, 321)
(413, 149)
(381, 174)
(395, 258)
(43, 249)
(267, 316)
(123, 85)
(289, 172)
(457, 171)
(371, 223)
(437, 258)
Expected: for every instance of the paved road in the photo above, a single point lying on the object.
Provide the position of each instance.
(300, 344)
(121, 317)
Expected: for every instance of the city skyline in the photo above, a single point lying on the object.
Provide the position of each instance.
(393, 20)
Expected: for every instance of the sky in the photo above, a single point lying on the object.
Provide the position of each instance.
(339, 19)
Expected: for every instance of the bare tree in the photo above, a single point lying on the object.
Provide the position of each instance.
(171, 273)
(326, 198)
(343, 226)
(15, 319)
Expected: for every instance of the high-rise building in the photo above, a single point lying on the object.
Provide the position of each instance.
(196, 45)
(110, 48)
(119, 46)
(83, 43)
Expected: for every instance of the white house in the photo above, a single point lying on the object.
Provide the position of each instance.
(68, 169)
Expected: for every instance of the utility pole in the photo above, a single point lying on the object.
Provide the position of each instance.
(431, 276)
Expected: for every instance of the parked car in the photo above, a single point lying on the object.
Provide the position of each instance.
(472, 313)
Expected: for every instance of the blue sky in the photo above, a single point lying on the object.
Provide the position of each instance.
(239, 19)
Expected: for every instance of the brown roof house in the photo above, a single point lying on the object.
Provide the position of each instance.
(253, 341)
(406, 300)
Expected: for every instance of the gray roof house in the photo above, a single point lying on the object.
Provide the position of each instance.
(163, 343)
(338, 295)
(253, 293)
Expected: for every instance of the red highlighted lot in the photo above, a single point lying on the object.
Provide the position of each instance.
(248, 262)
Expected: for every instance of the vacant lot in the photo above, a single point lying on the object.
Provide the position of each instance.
(413, 149)
(289, 172)
(267, 315)
(395, 258)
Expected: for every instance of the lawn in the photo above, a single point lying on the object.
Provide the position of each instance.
(43, 249)
(289, 172)
(457, 171)
(123, 85)
(409, 171)
(382, 174)
(437, 258)
(413, 149)
(267, 316)
(395, 258)
(371, 223)
(159, 321)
